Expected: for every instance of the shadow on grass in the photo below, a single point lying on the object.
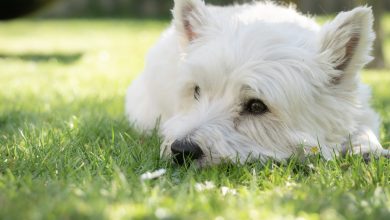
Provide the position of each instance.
(93, 125)
(39, 57)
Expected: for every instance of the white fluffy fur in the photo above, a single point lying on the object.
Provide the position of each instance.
(307, 75)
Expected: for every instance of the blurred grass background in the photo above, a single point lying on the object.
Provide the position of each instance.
(160, 9)
(67, 152)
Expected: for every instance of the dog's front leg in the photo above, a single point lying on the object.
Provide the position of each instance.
(365, 142)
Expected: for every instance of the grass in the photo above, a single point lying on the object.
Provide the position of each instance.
(67, 152)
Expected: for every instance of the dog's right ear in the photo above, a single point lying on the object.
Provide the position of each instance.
(189, 17)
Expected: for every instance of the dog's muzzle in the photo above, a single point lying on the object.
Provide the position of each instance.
(183, 150)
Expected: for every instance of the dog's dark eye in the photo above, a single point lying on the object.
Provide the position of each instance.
(255, 106)
(196, 92)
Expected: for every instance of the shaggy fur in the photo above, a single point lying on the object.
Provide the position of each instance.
(213, 60)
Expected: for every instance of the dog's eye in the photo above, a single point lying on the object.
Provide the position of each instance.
(196, 92)
(255, 106)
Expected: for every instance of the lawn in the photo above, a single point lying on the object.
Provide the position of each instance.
(67, 152)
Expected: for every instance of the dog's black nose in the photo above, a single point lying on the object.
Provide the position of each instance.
(183, 150)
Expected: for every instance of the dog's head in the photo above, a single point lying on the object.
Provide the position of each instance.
(255, 88)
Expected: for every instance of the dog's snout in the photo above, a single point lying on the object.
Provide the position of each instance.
(183, 150)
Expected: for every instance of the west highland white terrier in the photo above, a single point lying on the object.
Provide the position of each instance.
(257, 81)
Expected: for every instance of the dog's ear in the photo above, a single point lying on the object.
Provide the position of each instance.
(346, 43)
(189, 17)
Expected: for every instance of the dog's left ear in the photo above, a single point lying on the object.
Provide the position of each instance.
(346, 43)
(189, 17)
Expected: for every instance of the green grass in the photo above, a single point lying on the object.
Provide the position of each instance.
(67, 152)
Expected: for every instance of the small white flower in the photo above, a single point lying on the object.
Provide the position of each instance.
(207, 185)
(153, 175)
(226, 190)
(161, 213)
(291, 184)
(254, 172)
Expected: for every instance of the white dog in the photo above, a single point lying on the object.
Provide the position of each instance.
(257, 81)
